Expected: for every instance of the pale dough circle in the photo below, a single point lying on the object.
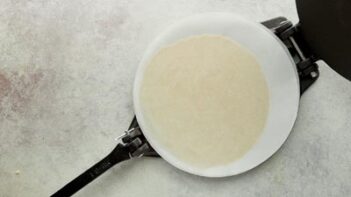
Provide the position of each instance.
(206, 100)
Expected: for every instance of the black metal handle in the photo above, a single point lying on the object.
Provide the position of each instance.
(119, 154)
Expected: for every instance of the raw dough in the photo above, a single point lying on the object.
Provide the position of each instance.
(206, 99)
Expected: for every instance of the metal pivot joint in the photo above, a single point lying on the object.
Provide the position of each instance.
(134, 145)
(131, 134)
(291, 36)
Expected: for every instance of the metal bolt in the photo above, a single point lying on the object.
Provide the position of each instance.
(314, 74)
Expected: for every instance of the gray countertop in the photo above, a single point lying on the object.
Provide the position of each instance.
(66, 76)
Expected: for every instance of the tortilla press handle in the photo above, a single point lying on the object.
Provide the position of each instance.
(133, 145)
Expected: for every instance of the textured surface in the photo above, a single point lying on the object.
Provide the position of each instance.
(186, 112)
(66, 75)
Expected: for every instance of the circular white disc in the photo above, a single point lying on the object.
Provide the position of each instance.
(279, 70)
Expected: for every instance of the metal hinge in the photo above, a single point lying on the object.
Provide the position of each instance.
(305, 61)
(135, 139)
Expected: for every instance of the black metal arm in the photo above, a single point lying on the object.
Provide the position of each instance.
(119, 154)
(133, 144)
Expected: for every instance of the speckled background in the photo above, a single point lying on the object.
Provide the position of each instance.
(66, 75)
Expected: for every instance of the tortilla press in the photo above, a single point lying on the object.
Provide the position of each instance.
(323, 33)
